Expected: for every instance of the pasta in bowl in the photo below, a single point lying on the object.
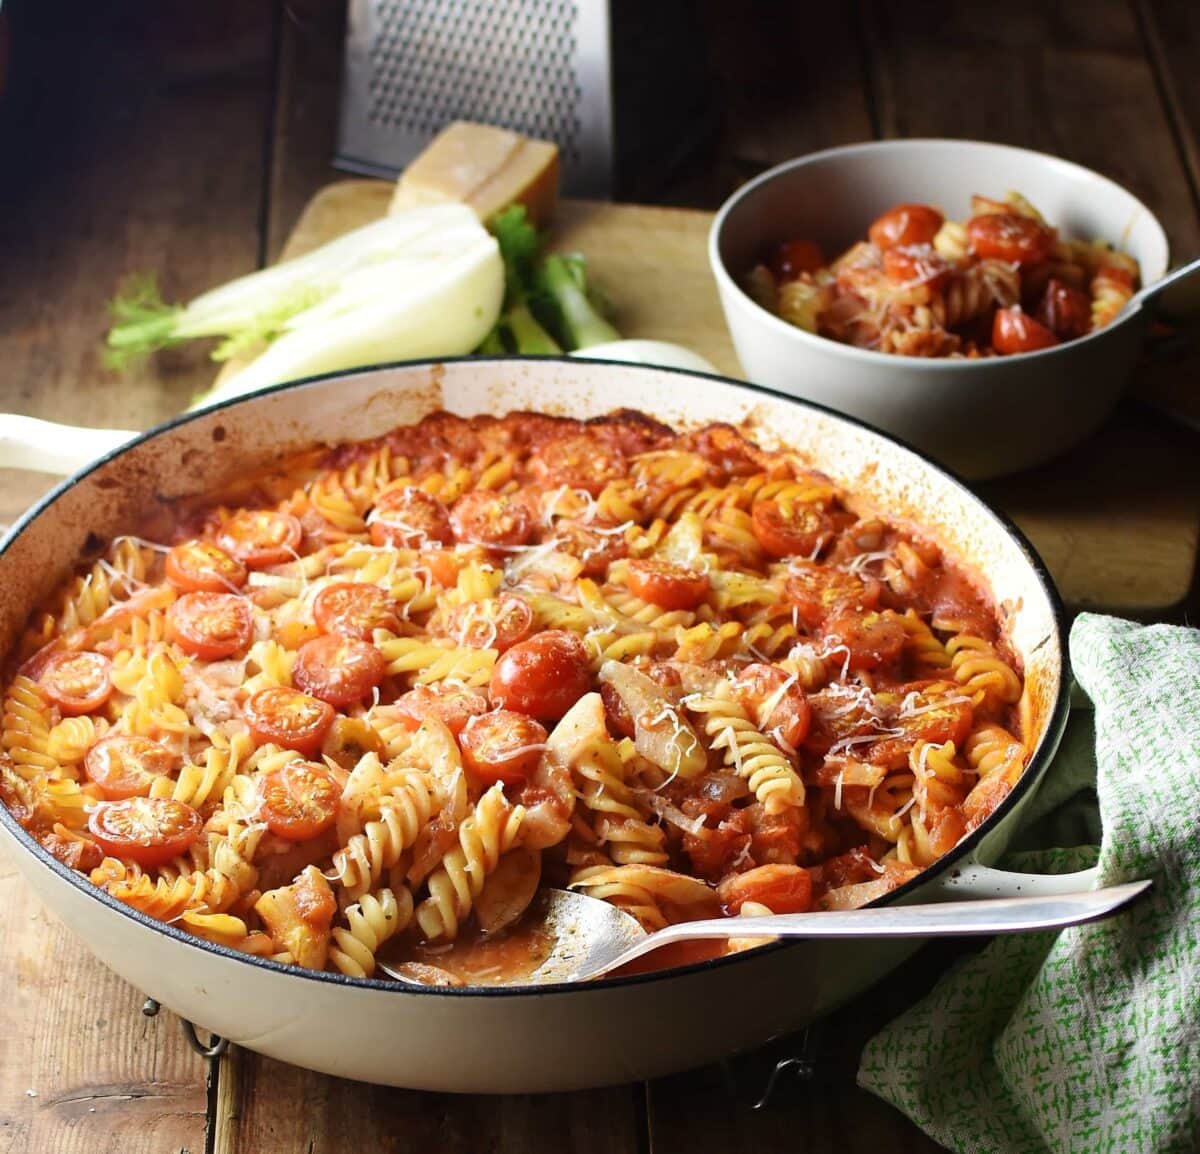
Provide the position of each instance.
(1000, 283)
(271, 911)
(983, 415)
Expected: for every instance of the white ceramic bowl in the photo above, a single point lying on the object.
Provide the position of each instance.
(982, 418)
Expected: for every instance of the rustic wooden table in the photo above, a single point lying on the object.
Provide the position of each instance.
(188, 139)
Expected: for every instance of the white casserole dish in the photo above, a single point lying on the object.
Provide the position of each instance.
(549, 1038)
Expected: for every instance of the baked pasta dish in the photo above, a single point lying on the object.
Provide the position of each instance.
(999, 283)
(366, 703)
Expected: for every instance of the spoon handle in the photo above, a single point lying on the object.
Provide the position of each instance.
(1151, 292)
(941, 919)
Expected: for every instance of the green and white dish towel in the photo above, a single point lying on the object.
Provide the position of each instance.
(1085, 1041)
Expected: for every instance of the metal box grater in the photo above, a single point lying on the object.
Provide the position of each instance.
(542, 67)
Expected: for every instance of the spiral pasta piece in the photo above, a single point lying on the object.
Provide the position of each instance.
(25, 727)
(489, 831)
(748, 752)
(360, 863)
(982, 673)
(371, 921)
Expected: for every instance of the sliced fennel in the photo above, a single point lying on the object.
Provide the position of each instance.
(426, 282)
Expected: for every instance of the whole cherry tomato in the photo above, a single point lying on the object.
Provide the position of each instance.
(148, 830)
(288, 718)
(354, 609)
(1009, 236)
(666, 585)
(542, 677)
(127, 765)
(299, 801)
(200, 566)
(906, 224)
(260, 537)
(210, 626)
(1065, 310)
(502, 746)
(790, 528)
(482, 517)
(793, 257)
(1014, 331)
(339, 670)
(77, 682)
(409, 518)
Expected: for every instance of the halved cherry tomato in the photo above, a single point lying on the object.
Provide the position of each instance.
(260, 537)
(354, 609)
(793, 257)
(497, 623)
(788, 717)
(77, 682)
(783, 889)
(1009, 236)
(147, 830)
(905, 224)
(872, 639)
(443, 565)
(409, 518)
(668, 586)
(936, 714)
(210, 625)
(915, 264)
(818, 590)
(482, 517)
(595, 550)
(790, 528)
(289, 718)
(1014, 331)
(126, 766)
(542, 677)
(199, 566)
(340, 670)
(452, 706)
(578, 462)
(502, 746)
(1064, 310)
(299, 801)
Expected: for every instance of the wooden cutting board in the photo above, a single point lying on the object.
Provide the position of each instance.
(1117, 520)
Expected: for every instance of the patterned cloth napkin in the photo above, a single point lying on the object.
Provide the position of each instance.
(1086, 1041)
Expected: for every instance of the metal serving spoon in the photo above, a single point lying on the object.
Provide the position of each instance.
(591, 937)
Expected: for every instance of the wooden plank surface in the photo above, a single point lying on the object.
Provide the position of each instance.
(139, 131)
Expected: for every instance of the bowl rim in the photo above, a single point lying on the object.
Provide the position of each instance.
(1039, 762)
(728, 283)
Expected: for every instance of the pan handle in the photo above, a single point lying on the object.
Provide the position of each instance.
(972, 880)
(46, 447)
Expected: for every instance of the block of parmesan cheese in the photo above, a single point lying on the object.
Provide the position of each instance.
(485, 167)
